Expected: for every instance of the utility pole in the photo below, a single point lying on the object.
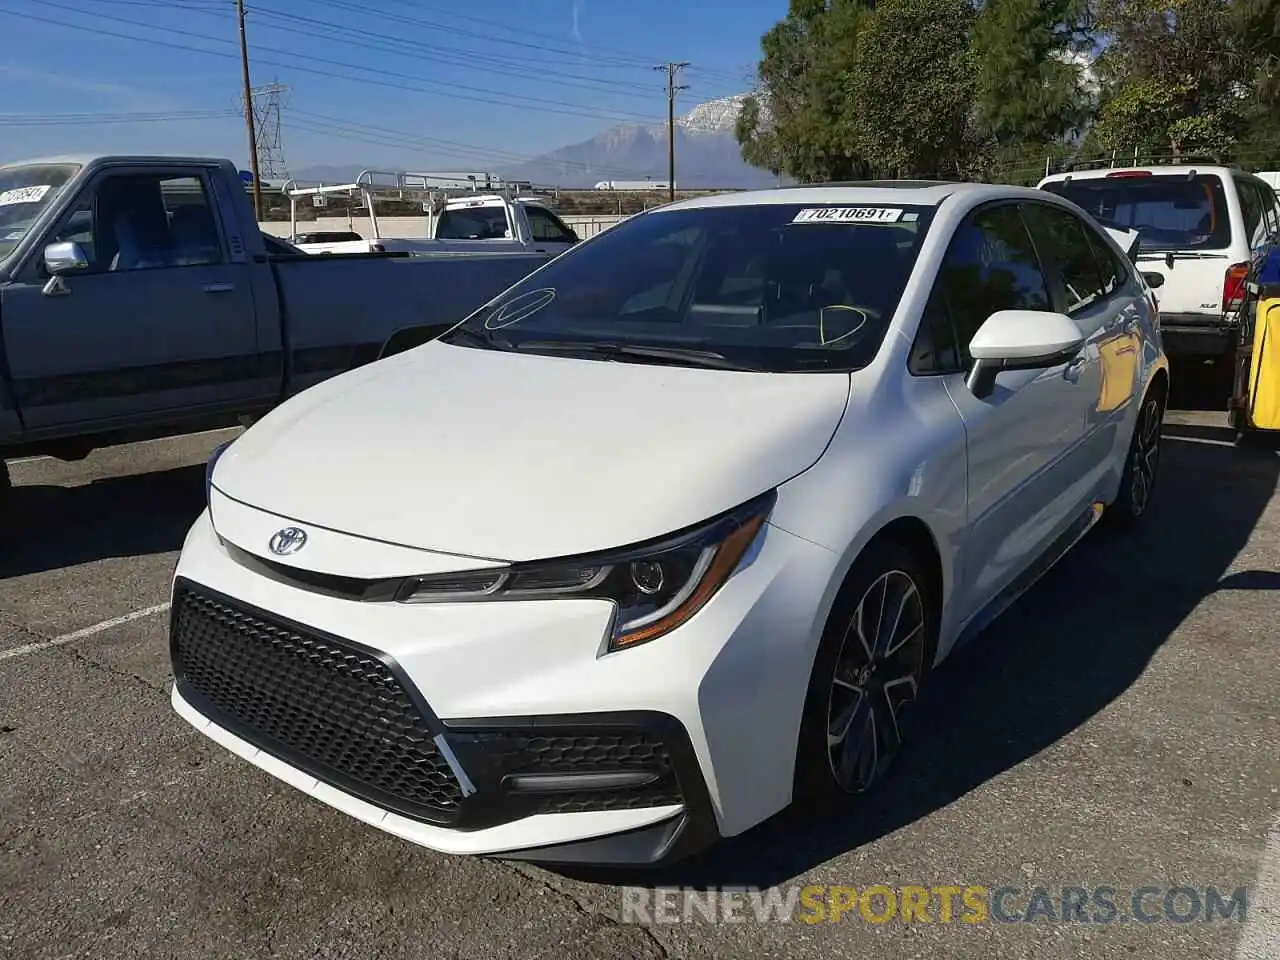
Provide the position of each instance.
(248, 113)
(672, 70)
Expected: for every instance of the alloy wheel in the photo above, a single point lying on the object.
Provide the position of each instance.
(877, 675)
(1146, 456)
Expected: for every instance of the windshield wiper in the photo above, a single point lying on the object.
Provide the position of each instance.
(479, 338)
(683, 356)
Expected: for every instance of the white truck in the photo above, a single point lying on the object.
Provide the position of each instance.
(506, 217)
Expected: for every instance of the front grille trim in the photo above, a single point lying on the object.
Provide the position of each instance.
(325, 772)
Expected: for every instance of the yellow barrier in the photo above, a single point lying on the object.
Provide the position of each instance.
(1264, 369)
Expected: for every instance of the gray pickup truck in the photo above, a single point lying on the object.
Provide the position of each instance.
(139, 298)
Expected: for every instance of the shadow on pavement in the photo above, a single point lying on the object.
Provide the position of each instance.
(1064, 652)
(49, 527)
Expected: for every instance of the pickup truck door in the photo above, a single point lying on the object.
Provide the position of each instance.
(159, 325)
(549, 233)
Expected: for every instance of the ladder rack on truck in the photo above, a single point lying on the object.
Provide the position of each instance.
(433, 190)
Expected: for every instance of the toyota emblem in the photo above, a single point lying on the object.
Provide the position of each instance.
(287, 541)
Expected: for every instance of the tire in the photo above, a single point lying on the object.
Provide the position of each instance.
(852, 695)
(6, 498)
(1141, 464)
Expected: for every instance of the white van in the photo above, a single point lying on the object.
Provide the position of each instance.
(1199, 228)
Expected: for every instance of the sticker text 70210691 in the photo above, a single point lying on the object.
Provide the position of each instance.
(848, 215)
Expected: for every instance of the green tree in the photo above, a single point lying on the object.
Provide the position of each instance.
(911, 90)
(1030, 88)
(1179, 75)
(798, 123)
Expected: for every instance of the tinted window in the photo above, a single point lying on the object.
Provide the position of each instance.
(144, 222)
(329, 236)
(1251, 209)
(749, 282)
(1170, 212)
(935, 350)
(1062, 239)
(991, 265)
(475, 223)
(546, 226)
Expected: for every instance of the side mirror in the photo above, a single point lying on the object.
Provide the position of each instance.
(1154, 280)
(63, 258)
(1020, 340)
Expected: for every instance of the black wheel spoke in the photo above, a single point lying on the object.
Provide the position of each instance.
(876, 677)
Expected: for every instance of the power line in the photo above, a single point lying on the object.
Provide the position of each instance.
(423, 85)
(77, 119)
(672, 70)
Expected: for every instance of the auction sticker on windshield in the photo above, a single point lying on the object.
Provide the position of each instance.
(23, 195)
(848, 215)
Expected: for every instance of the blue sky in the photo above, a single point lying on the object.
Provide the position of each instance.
(379, 83)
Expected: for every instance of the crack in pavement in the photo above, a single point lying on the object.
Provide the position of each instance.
(588, 911)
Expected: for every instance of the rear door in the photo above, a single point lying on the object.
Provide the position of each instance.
(1026, 481)
(160, 325)
(1186, 227)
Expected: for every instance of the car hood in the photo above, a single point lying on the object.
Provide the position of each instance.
(517, 457)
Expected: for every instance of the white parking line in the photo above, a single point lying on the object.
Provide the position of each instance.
(1260, 939)
(84, 632)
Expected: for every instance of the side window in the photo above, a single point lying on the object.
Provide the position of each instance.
(1270, 211)
(991, 265)
(547, 227)
(1064, 240)
(144, 222)
(934, 351)
(1251, 208)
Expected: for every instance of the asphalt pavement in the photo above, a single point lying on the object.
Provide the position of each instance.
(1116, 729)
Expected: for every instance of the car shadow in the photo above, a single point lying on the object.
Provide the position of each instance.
(1067, 649)
(48, 527)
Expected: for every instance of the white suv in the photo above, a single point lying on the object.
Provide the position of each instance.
(1199, 228)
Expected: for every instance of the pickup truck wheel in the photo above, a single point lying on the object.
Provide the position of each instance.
(6, 489)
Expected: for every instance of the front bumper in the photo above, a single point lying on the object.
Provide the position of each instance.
(497, 728)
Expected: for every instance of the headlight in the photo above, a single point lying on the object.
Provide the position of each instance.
(655, 586)
(208, 468)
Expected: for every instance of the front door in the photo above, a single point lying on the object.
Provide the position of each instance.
(1025, 471)
(160, 325)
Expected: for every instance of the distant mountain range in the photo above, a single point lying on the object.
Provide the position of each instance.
(707, 155)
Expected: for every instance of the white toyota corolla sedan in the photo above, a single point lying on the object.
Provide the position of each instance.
(668, 536)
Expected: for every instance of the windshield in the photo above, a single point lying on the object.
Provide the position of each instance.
(771, 286)
(25, 191)
(1169, 211)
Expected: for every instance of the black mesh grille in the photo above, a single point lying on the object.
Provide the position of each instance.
(568, 752)
(320, 704)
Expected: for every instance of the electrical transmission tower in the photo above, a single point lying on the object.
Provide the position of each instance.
(268, 102)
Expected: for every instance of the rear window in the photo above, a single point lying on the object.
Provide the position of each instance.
(1169, 212)
(475, 223)
(774, 286)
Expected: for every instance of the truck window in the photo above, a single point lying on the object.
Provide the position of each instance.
(1251, 208)
(1169, 211)
(547, 227)
(473, 223)
(140, 222)
(26, 190)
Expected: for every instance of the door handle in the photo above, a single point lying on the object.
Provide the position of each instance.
(219, 287)
(1073, 369)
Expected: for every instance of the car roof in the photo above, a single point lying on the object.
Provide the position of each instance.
(925, 193)
(1185, 169)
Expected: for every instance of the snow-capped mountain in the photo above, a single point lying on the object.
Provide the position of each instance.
(707, 155)
(714, 116)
